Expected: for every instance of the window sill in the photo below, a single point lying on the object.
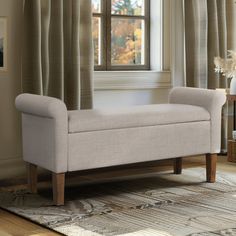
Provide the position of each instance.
(116, 80)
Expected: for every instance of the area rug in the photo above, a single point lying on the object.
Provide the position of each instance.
(159, 204)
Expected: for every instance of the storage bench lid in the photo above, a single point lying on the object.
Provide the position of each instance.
(135, 116)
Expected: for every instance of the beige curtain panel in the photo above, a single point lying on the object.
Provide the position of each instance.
(206, 37)
(209, 32)
(58, 51)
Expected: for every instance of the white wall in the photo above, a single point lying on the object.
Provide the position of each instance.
(121, 98)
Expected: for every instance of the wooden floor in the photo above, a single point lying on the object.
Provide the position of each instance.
(12, 225)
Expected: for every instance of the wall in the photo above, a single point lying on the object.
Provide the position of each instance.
(121, 98)
(10, 85)
(11, 163)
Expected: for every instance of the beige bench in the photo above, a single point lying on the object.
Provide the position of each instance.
(64, 141)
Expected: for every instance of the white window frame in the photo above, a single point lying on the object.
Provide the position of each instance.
(160, 57)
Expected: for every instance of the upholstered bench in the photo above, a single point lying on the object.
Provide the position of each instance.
(63, 141)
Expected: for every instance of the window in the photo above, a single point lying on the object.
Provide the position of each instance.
(121, 34)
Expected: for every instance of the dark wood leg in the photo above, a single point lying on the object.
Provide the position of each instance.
(58, 184)
(178, 165)
(32, 177)
(211, 160)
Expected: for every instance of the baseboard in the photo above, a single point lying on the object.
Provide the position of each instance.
(11, 168)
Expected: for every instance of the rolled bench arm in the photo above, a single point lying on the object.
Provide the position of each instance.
(41, 106)
(44, 130)
(211, 100)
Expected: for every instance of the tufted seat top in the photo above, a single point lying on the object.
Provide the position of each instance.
(135, 116)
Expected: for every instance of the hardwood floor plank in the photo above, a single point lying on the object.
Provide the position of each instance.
(12, 225)
(4, 233)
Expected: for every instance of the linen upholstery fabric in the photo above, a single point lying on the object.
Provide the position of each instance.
(133, 145)
(136, 116)
(192, 127)
(211, 100)
(45, 131)
(58, 51)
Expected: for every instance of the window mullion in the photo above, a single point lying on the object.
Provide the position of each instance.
(129, 16)
(108, 34)
(103, 34)
(147, 34)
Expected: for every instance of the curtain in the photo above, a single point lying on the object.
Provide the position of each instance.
(58, 52)
(205, 38)
(208, 33)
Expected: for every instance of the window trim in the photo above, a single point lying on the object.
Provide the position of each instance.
(106, 17)
(131, 80)
(159, 76)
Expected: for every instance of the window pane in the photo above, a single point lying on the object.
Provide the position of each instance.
(128, 7)
(96, 6)
(127, 41)
(97, 40)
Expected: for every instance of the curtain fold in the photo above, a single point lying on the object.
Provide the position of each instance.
(58, 51)
(207, 36)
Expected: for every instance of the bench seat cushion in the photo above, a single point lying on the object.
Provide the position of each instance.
(135, 116)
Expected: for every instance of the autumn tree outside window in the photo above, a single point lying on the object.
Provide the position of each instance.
(121, 34)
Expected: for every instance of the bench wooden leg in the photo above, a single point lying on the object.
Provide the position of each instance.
(32, 177)
(211, 160)
(58, 184)
(178, 165)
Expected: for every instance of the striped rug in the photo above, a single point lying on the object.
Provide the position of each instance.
(159, 204)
